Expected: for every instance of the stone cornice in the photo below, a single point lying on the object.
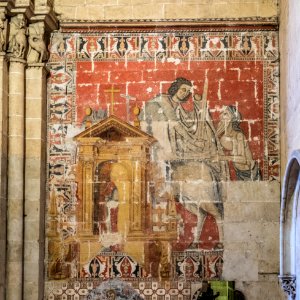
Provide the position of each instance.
(7, 5)
(161, 25)
(26, 9)
(49, 20)
(33, 14)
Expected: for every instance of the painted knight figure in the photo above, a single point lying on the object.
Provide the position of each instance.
(191, 156)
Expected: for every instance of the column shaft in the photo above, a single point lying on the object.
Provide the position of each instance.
(35, 181)
(3, 169)
(15, 209)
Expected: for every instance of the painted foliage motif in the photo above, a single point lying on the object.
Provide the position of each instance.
(144, 129)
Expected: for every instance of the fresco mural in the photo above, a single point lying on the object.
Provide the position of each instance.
(145, 129)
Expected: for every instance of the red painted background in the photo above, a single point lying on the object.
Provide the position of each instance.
(230, 83)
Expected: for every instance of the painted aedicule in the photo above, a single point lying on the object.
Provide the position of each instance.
(144, 129)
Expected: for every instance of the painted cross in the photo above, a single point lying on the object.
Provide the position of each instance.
(112, 91)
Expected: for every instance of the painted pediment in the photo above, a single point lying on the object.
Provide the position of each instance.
(114, 129)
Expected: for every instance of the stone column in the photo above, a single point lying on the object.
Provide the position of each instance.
(35, 180)
(3, 144)
(3, 168)
(41, 24)
(15, 209)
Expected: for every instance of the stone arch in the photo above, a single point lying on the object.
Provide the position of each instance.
(289, 226)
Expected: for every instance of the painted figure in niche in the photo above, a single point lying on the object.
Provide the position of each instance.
(111, 205)
(235, 145)
(105, 200)
(192, 152)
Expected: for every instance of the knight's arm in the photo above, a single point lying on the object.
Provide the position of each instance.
(152, 111)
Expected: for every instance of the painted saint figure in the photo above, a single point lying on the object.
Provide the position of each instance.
(236, 146)
(106, 201)
(189, 146)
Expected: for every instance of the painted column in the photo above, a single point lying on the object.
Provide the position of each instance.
(15, 209)
(35, 180)
(3, 167)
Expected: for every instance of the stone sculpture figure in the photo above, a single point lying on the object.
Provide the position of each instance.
(17, 36)
(37, 51)
(2, 32)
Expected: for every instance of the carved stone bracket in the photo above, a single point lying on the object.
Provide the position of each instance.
(288, 284)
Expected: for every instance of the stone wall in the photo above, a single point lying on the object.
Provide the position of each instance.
(251, 209)
(90, 73)
(164, 9)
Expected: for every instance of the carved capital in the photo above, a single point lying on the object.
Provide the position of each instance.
(288, 284)
(17, 60)
(3, 31)
(37, 50)
(38, 66)
(17, 36)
